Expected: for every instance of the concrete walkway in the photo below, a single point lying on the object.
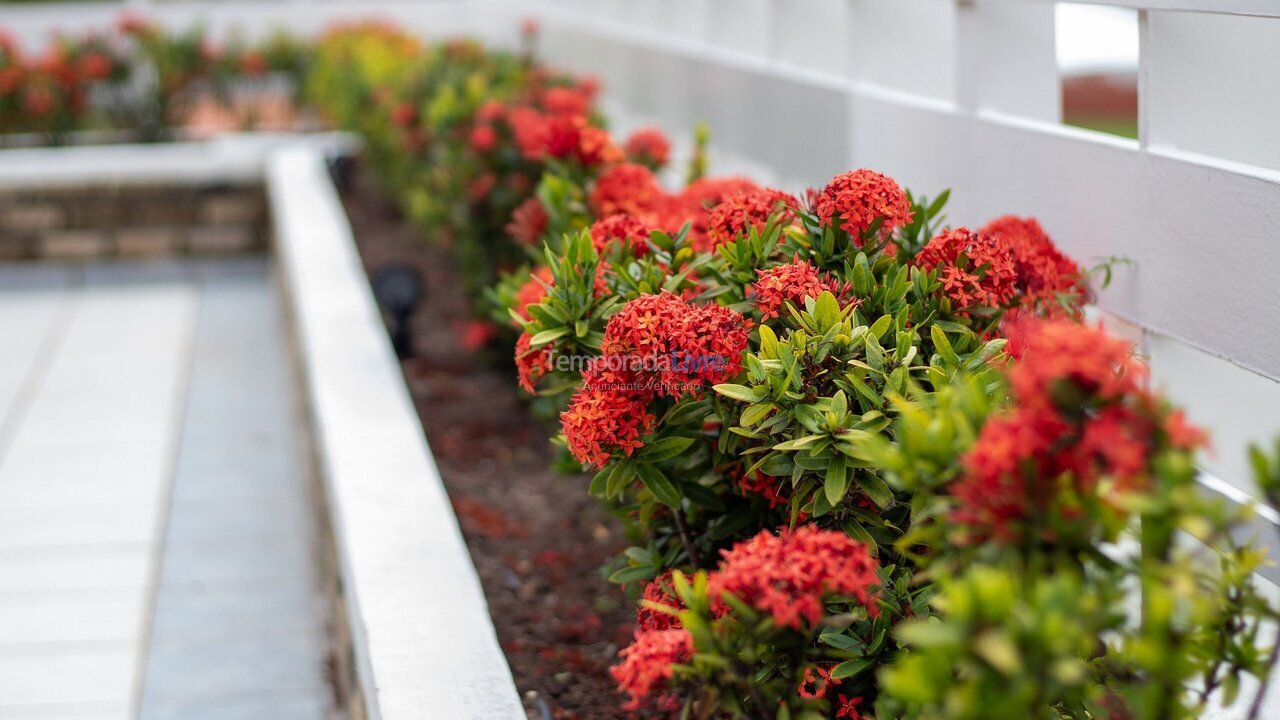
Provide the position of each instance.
(157, 552)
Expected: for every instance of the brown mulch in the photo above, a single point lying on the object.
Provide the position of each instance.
(536, 537)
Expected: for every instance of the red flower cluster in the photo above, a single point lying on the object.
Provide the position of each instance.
(531, 363)
(632, 189)
(793, 574)
(621, 230)
(626, 188)
(607, 415)
(551, 122)
(51, 87)
(1081, 413)
(656, 345)
(856, 199)
(767, 487)
(816, 682)
(691, 345)
(648, 146)
(647, 667)
(792, 283)
(483, 139)
(253, 63)
(744, 210)
(565, 101)
(532, 291)
(659, 591)
(976, 271)
(705, 193)
(1045, 277)
(528, 222)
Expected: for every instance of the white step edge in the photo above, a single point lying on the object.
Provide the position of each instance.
(424, 643)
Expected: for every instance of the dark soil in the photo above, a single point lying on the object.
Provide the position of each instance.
(536, 537)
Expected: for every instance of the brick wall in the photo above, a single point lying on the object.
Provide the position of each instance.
(131, 221)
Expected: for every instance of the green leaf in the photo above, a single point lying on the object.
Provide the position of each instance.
(599, 483)
(799, 443)
(875, 488)
(997, 649)
(633, 573)
(837, 640)
(849, 668)
(837, 482)
(741, 393)
(663, 449)
(702, 495)
(620, 476)
(547, 336)
(660, 485)
(882, 326)
(755, 413)
(935, 207)
(943, 345)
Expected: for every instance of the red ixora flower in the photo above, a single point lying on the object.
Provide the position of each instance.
(791, 575)
(707, 192)
(626, 188)
(688, 345)
(848, 707)
(856, 199)
(595, 147)
(1081, 413)
(528, 221)
(656, 345)
(621, 230)
(767, 487)
(647, 667)
(533, 290)
(816, 682)
(745, 210)
(648, 146)
(404, 114)
(529, 127)
(608, 415)
(976, 271)
(1060, 360)
(1046, 279)
(659, 591)
(483, 138)
(565, 101)
(531, 363)
(253, 63)
(792, 283)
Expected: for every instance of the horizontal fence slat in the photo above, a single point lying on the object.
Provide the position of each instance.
(1260, 8)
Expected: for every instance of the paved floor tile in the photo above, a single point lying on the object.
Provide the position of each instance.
(157, 539)
(276, 705)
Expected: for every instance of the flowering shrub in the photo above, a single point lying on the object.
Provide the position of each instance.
(50, 93)
(462, 135)
(137, 76)
(889, 425)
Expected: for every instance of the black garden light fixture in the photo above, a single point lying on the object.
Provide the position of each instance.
(398, 288)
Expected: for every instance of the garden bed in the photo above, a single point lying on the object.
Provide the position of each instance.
(536, 537)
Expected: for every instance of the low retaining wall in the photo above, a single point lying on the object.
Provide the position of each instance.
(423, 644)
(97, 221)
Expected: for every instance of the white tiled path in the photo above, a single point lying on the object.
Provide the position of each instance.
(157, 554)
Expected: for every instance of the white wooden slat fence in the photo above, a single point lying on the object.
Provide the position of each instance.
(965, 94)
